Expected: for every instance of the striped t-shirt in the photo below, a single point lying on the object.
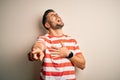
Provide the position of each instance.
(58, 68)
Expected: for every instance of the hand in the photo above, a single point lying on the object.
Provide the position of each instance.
(61, 52)
(38, 54)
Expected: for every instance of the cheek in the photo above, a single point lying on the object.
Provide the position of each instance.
(53, 19)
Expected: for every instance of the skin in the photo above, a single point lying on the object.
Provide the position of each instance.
(54, 24)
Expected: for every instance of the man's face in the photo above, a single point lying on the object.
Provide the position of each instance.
(54, 20)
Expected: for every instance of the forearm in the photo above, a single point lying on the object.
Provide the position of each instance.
(78, 61)
(37, 52)
(38, 45)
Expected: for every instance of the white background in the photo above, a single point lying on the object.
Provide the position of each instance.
(94, 23)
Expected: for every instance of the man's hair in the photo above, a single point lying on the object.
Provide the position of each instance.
(44, 19)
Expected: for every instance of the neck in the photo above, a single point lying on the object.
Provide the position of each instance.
(57, 32)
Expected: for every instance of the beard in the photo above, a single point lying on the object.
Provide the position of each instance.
(57, 26)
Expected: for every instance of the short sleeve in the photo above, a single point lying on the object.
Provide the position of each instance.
(41, 40)
(77, 50)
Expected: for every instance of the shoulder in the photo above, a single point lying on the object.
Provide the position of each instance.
(42, 36)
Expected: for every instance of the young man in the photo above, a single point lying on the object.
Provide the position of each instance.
(59, 53)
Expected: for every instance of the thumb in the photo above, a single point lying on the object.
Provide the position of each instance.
(41, 56)
(35, 57)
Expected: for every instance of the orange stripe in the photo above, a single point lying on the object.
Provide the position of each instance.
(47, 55)
(49, 41)
(58, 73)
(63, 40)
(59, 40)
(77, 47)
(69, 47)
(57, 65)
(70, 79)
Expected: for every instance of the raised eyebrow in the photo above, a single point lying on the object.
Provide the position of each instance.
(54, 14)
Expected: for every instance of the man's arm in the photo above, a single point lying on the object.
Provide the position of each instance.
(78, 61)
(39, 45)
(37, 51)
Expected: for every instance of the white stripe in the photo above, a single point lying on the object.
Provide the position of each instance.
(59, 44)
(65, 77)
(69, 43)
(77, 51)
(49, 60)
(58, 69)
(54, 38)
(40, 40)
(74, 51)
(49, 45)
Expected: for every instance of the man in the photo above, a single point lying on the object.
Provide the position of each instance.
(59, 53)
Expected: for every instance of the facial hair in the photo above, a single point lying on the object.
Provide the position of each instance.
(57, 26)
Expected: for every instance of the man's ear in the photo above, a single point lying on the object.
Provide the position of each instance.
(47, 25)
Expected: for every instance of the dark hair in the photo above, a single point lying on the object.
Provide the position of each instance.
(45, 16)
